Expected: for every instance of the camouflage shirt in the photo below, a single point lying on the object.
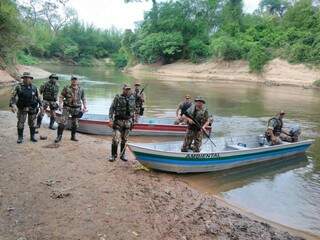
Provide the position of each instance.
(25, 96)
(50, 91)
(183, 107)
(122, 107)
(73, 97)
(139, 98)
(200, 115)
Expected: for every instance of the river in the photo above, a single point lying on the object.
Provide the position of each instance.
(284, 192)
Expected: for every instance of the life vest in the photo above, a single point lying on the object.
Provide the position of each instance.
(27, 96)
(279, 124)
(124, 107)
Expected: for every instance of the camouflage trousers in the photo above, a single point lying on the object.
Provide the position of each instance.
(121, 129)
(52, 105)
(22, 116)
(66, 113)
(279, 138)
(195, 137)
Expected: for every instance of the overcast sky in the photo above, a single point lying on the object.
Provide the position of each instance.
(107, 13)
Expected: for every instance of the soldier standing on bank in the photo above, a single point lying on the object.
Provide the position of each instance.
(25, 101)
(49, 91)
(121, 117)
(139, 99)
(182, 108)
(73, 103)
(197, 118)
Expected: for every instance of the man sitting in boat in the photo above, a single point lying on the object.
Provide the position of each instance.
(197, 118)
(275, 134)
(182, 107)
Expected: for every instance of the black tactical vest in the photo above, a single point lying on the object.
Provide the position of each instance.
(27, 96)
(185, 106)
(278, 128)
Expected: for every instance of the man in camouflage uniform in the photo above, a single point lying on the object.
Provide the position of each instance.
(199, 113)
(275, 134)
(25, 101)
(73, 103)
(121, 116)
(49, 91)
(182, 107)
(139, 99)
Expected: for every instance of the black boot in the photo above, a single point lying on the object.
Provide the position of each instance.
(32, 132)
(59, 133)
(51, 123)
(73, 134)
(20, 135)
(39, 121)
(114, 150)
(123, 156)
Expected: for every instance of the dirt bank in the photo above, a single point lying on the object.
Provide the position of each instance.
(70, 191)
(8, 77)
(277, 72)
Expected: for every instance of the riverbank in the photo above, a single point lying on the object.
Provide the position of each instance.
(276, 72)
(70, 191)
(9, 77)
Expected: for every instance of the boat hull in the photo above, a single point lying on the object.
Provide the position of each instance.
(209, 162)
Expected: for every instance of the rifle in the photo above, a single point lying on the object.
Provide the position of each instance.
(142, 90)
(200, 127)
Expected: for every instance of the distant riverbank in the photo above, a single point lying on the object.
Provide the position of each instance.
(8, 77)
(276, 72)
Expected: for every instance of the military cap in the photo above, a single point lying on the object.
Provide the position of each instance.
(199, 99)
(282, 112)
(53, 75)
(74, 77)
(137, 84)
(26, 75)
(126, 87)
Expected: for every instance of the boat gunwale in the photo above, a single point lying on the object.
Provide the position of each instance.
(225, 153)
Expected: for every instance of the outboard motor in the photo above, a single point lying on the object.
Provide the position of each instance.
(295, 132)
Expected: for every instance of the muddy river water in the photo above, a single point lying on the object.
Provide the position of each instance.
(287, 192)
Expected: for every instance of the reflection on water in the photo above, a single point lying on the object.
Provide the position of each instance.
(286, 191)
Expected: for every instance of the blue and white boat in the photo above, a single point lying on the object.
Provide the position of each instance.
(226, 154)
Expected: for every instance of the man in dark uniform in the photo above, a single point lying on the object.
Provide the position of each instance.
(73, 103)
(49, 91)
(139, 99)
(275, 134)
(182, 107)
(121, 117)
(25, 101)
(197, 118)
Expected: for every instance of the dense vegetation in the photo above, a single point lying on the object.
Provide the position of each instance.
(182, 29)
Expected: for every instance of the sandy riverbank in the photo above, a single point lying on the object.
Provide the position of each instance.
(277, 72)
(70, 191)
(7, 78)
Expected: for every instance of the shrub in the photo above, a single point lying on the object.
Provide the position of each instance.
(258, 57)
(26, 59)
(197, 50)
(227, 48)
(316, 83)
(120, 59)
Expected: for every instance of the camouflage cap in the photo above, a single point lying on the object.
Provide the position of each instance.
(282, 112)
(126, 87)
(53, 76)
(74, 77)
(137, 84)
(26, 75)
(199, 99)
